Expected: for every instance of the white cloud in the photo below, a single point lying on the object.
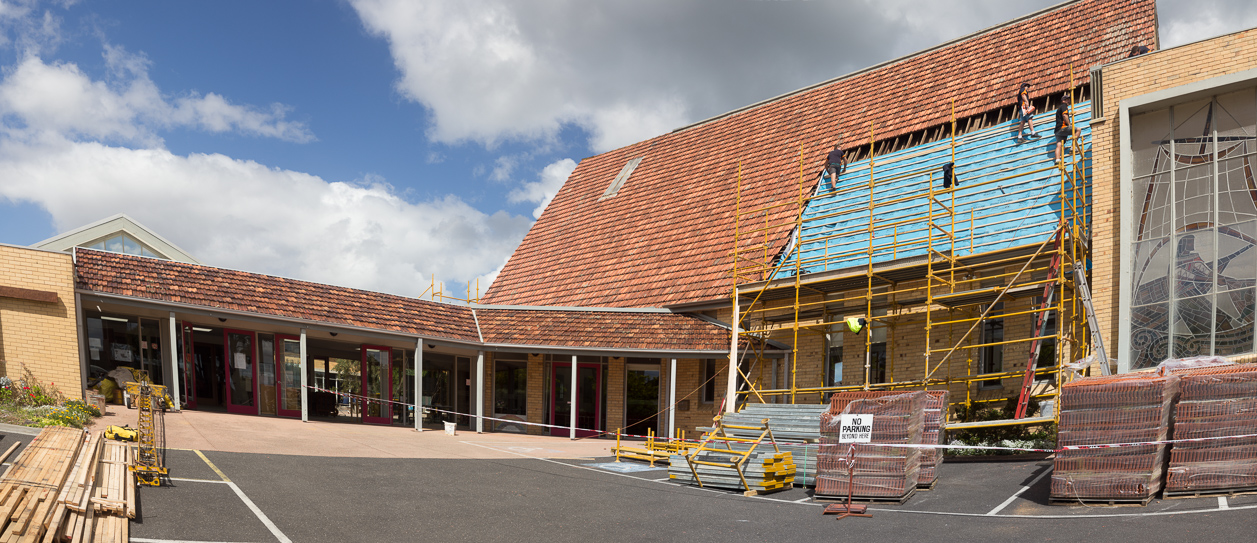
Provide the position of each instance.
(625, 70)
(244, 215)
(39, 99)
(543, 189)
(1186, 22)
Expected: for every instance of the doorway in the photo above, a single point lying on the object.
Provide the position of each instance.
(377, 378)
(241, 371)
(288, 369)
(587, 398)
(641, 398)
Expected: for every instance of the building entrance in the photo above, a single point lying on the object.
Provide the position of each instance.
(587, 398)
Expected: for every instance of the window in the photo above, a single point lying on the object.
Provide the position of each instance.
(991, 357)
(510, 386)
(877, 362)
(1193, 222)
(833, 363)
(122, 243)
(709, 380)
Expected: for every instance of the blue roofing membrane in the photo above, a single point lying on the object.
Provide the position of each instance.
(1009, 195)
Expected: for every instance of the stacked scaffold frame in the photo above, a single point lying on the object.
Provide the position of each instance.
(716, 462)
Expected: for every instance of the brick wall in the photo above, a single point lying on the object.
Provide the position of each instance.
(1128, 79)
(615, 395)
(39, 336)
(536, 393)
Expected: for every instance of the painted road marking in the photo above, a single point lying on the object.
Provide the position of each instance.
(1222, 503)
(198, 480)
(1000, 507)
(147, 540)
(249, 503)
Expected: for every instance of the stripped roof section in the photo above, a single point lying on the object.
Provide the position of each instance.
(577, 328)
(666, 237)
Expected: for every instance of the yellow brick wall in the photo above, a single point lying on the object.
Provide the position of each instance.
(38, 336)
(1128, 79)
(536, 393)
(615, 395)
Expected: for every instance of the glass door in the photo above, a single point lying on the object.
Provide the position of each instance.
(377, 378)
(241, 372)
(288, 368)
(187, 365)
(587, 398)
(642, 401)
(267, 403)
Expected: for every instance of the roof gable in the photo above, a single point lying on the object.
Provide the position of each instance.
(116, 229)
(666, 237)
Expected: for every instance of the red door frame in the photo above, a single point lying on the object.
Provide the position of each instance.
(385, 408)
(188, 357)
(227, 361)
(575, 399)
(279, 376)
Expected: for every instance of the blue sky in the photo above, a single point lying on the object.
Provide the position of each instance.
(380, 143)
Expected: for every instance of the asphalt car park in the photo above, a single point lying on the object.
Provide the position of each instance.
(526, 496)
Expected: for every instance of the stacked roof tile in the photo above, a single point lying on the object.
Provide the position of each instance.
(866, 470)
(666, 237)
(237, 291)
(1217, 402)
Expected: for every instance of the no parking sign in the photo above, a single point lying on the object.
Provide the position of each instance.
(856, 429)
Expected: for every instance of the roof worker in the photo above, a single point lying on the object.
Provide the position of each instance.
(835, 164)
(1064, 125)
(1027, 114)
(1138, 50)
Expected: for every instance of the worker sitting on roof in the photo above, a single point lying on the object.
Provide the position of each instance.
(1064, 125)
(1138, 50)
(835, 165)
(1026, 110)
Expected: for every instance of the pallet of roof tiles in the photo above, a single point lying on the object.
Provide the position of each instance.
(763, 472)
(796, 428)
(1215, 402)
(935, 424)
(887, 467)
(754, 471)
(1128, 408)
(29, 489)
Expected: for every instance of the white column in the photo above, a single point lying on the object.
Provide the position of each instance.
(177, 361)
(479, 392)
(672, 400)
(305, 392)
(572, 400)
(419, 385)
(731, 392)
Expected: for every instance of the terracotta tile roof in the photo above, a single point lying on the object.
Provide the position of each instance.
(666, 237)
(205, 286)
(601, 329)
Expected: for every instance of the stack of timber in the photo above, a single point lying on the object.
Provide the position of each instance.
(715, 462)
(932, 434)
(796, 428)
(1215, 402)
(1128, 408)
(866, 471)
(68, 486)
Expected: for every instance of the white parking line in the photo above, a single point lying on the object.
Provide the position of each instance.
(1010, 499)
(198, 481)
(1222, 503)
(249, 503)
(147, 540)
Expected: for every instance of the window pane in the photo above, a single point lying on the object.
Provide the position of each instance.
(1236, 115)
(114, 244)
(1151, 269)
(1149, 141)
(1152, 198)
(1193, 322)
(1193, 193)
(510, 394)
(1194, 259)
(1235, 322)
(130, 246)
(1149, 339)
(1237, 256)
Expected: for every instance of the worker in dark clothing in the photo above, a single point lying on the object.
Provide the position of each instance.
(1138, 50)
(1064, 125)
(1026, 112)
(835, 164)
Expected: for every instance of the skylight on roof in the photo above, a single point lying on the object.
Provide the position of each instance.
(620, 179)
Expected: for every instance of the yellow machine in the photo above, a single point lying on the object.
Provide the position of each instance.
(148, 466)
(120, 433)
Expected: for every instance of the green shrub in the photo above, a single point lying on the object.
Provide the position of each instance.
(1041, 436)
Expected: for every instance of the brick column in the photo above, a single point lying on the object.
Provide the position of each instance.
(615, 394)
(536, 393)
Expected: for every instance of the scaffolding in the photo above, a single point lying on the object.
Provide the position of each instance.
(923, 271)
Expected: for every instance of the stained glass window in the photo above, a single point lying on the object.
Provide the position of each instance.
(1194, 264)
